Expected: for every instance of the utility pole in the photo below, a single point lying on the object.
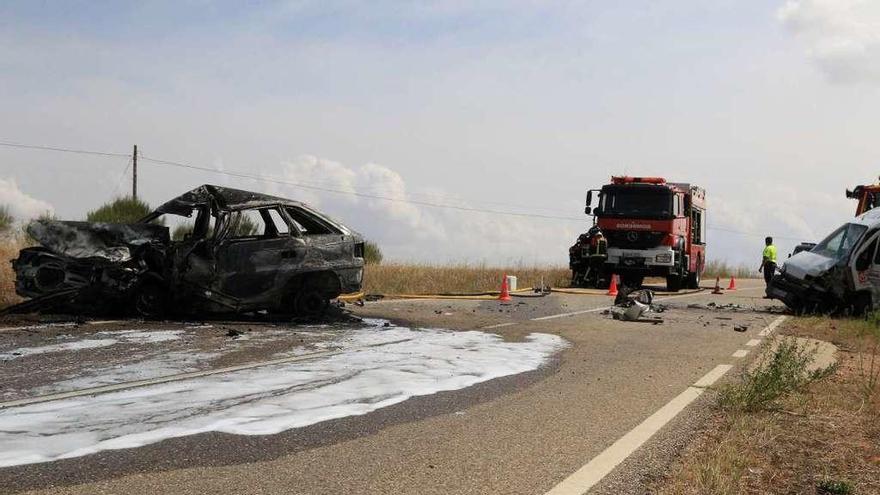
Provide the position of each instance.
(134, 173)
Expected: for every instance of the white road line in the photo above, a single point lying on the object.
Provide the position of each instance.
(712, 376)
(603, 308)
(772, 326)
(593, 472)
(753, 343)
(740, 353)
(573, 313)
(501, 325)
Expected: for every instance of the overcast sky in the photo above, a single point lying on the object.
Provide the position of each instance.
(520, 106)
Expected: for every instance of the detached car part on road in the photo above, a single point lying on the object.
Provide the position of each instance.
(234, 251)
(841, 274)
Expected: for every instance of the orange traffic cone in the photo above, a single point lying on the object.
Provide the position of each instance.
(732, 285)
(505, 291)
(612, 289)
(717, 286)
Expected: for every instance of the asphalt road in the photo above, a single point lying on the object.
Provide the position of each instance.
(522, 433)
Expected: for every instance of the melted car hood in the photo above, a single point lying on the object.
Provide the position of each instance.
(110, 241)
(807, 263)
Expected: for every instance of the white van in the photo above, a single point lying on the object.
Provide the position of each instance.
(840, 274)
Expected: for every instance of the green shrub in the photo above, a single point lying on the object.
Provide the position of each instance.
(181, 231)
(372, 253)
(834, 487)
(783, 372)
(120, 210)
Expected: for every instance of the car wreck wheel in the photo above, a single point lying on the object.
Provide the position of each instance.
(149, 300)
(310, 302)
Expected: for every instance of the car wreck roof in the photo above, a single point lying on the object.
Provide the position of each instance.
(224, 198)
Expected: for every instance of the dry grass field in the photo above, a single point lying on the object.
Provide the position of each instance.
(723, 269)
(9, 247)
(821, 436)
(401, 278)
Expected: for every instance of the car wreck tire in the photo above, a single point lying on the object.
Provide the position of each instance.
(309, 301)
(150, 300)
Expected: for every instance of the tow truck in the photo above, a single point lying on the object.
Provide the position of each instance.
(868, 197)
(651, 227)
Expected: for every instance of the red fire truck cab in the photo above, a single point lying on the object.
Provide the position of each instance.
(654, 228)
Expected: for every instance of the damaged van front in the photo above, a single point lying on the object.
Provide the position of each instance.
(839, 274)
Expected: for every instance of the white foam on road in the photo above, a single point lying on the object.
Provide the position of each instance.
(105, 339)
(145, 336)
(66, 346)
(403, 363)
(159, 365)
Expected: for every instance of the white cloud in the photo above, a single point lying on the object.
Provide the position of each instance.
(408, 231)
(21, 205)
(842, 36)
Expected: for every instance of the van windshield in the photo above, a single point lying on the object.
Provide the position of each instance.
(840, 243)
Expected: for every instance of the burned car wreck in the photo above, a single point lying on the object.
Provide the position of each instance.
(841, 274)
(210, 250)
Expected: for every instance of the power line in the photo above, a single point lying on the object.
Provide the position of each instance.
(331, 190)
(63, 150)
(355, 193)
(755, 234)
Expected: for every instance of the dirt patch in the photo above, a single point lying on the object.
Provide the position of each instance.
(822, 439)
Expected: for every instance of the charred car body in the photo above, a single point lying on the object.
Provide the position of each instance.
(839, 274)
(233, 251)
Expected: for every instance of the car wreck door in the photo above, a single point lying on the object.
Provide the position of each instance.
(865, 268)
(328, 246)
(257, 247)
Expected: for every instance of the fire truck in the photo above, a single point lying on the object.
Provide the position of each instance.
(646, 227)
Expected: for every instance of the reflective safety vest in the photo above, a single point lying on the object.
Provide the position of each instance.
(770, 253)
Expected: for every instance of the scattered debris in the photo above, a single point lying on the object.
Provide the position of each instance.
(233, 333)
(240, 252)
(632, 305)
(740, 328)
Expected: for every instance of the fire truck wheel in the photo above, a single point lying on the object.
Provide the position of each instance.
(674, 282)
(694, 280)
(632, 281)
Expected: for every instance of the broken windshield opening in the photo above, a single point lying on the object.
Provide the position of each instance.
(840, 243)
(636, 203)
(197, 224)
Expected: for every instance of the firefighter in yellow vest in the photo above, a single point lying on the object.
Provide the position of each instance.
(768, 260)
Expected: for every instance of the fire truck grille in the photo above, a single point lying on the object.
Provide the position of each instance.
(633, 239)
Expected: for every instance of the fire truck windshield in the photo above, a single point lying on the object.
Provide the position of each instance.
(635, 203)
